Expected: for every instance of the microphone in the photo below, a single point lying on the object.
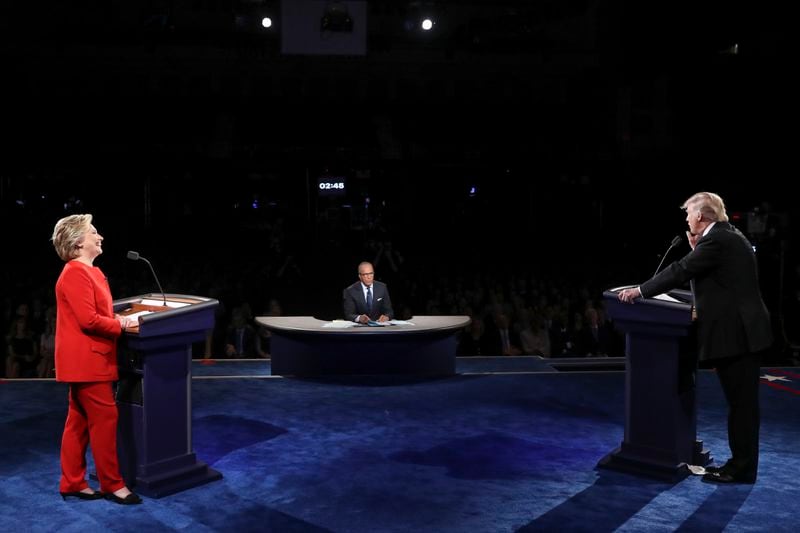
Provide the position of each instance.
(134, 256)
(675, 242)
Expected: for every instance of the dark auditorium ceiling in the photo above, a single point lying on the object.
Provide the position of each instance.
(477, 26)
(577, 76)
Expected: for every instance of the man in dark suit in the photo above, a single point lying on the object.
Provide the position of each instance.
(733, 324)
(499, 337)
(367, 299)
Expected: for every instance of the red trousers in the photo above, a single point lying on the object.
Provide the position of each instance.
(92, 417)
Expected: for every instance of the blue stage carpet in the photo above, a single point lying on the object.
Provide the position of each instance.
(483, 453)
(464, 365)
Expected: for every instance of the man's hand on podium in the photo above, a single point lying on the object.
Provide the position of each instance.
(629, 295)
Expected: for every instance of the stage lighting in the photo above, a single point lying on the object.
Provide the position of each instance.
(422, 16)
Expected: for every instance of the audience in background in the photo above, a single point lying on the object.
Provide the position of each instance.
(47, 345)
(241, 341)
(264, 338)
(512, 314)
(23, 348)
(518, 307)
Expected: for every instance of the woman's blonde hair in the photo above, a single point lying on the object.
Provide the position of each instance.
(68, 234)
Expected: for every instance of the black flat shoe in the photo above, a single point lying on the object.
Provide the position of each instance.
(96, 495)
(714, 469)
(130, 499)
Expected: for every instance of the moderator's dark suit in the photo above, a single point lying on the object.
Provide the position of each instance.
(733, 326)
(354, 304)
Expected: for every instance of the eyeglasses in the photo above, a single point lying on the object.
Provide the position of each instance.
(366, 273)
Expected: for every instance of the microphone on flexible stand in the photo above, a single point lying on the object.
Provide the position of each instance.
(675, 242)
(134, 256)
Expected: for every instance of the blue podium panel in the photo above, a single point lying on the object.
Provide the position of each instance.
(154, 393)
(660, 413)
(306, 346)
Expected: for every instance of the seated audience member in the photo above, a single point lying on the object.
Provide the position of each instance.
(469, 339)
(23, 349)
(535, 339)
(240, 341)
(47, 345)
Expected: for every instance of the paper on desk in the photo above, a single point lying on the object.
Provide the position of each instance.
(622, 287)
(161, 303)
(401, 323)
(666, 297)
(339, 324)
(135, 316)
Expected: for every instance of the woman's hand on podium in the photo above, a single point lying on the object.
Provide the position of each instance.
(126, 322)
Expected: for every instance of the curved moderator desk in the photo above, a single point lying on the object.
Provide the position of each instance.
(303, 346)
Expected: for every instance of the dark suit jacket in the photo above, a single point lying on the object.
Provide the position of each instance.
(248, 340)
(354, 304)
(731, 316)
(491, 342)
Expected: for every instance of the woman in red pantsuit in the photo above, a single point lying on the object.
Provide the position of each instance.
(86, 358)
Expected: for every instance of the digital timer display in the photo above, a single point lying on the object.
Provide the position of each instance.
(331, 186)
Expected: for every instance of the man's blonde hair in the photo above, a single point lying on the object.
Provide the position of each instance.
(709, 204)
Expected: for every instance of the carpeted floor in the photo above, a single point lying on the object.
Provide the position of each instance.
(464, 365)
(475, 452)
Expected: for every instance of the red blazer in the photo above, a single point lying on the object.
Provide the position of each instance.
(86, 330)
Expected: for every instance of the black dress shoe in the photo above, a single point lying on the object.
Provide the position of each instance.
(726, 477)
(130, 499)
(96, 495)
(714, 469)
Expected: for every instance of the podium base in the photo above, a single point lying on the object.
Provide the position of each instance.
(176, 481)
(164, 484)
(622, 460)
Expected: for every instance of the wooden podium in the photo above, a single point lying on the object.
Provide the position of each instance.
(660, 412)
(154, 393)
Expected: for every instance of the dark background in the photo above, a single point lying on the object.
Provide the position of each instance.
(550, 137)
